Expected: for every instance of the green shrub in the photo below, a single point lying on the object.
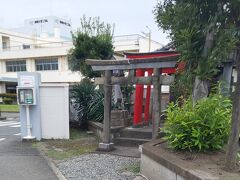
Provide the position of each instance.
(88, 102)
(95, 106)
(204, 126)
(127, 92)
(7, 100)
(9, 95)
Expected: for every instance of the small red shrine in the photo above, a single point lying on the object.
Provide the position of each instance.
(137, 119)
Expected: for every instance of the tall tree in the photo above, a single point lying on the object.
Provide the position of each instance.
(93, 40)
(206, 32)
(195, 27)
(233, 19)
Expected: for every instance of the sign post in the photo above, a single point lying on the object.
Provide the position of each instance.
(26, 97)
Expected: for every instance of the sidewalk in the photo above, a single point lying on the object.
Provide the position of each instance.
(19, 160)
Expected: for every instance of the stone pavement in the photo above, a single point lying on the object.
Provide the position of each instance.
(126, 151)
(19, 160)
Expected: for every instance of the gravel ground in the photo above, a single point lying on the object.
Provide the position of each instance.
(98, 167)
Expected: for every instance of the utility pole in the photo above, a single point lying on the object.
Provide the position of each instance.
(149, 38)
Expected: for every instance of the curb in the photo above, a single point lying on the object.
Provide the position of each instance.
(51, 164)
(2, 118)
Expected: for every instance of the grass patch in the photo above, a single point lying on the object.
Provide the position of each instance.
(9, 108)
(77, 133)
(79, 143)
(134, 168)
(71, 152)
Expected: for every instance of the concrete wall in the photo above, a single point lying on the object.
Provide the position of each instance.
(62, 75)
(60, 50)
(155, 171)
(54, 99)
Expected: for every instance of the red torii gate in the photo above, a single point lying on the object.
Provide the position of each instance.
(137, 119)
(157, 80)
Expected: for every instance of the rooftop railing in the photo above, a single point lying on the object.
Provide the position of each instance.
(37, 46)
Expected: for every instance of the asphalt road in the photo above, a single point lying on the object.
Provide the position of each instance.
(19, 160)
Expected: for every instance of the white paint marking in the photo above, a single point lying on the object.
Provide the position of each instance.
(15, 126)
(18, 134)
(2, 139)
(6, 122)
(9, 124)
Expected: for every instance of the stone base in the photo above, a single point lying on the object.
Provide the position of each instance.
(160, 163)
(28, 139)
(140, 125)
(105, 147)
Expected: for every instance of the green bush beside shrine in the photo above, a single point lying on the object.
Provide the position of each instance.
(200, 127)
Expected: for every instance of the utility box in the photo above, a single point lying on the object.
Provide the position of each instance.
(28, 99)
(54, 102)
(26, 96)
(44, 108)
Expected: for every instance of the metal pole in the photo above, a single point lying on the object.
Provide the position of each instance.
(29, 126)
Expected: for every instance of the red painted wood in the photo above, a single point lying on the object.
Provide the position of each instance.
(142, 56)
(169, 70)
(137, 118)
(148, 98)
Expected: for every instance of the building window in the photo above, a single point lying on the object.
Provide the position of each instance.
(4, 45)
(41, 21)
(46, 64)
(65, 23)
(16, 66)
(26, 46)
(11, 87)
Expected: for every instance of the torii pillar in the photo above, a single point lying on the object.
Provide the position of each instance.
(138, 104)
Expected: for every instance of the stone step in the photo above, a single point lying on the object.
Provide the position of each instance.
(136, 133)
(129, 142)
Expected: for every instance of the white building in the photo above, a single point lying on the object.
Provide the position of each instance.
(49, 26)
(46, 52)
(134, 43)
(19, 52)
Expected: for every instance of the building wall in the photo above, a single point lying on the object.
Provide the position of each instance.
(134, 43)
(39, 47)
(144, 45)
(47, 26)
(63, 74)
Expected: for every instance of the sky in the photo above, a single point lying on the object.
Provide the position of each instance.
(128, 16)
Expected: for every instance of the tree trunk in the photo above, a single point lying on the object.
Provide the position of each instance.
(200, 88)
(232, 148)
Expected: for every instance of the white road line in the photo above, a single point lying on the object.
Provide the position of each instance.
(18, 134)
(2, 139)
(15, 126)
(9, 124)
(6, 122)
